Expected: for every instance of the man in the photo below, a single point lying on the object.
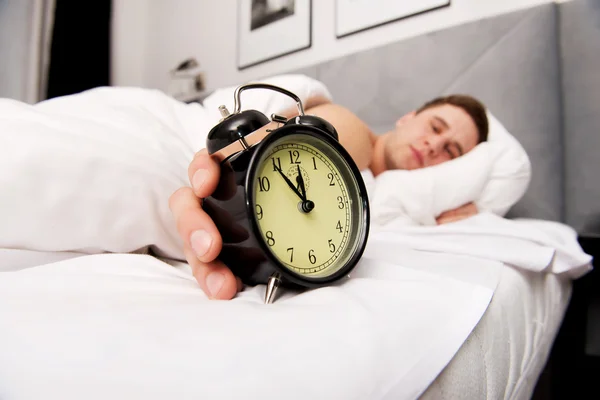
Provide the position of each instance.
(440, 130)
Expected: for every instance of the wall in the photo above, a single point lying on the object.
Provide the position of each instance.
(130, 30)
(24, 47)
(153, 37)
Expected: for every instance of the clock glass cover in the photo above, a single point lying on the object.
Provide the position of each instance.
(308, 205)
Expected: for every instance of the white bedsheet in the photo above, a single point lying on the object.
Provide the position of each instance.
(529, 244)
(134, 327)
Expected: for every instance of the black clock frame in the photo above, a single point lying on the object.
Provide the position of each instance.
(231, 208)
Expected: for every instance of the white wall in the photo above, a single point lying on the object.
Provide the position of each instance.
(151, 37)
(129, 38)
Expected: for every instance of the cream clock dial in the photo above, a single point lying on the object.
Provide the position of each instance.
(304, 205)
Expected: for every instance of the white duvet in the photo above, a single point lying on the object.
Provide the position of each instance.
(90, 175)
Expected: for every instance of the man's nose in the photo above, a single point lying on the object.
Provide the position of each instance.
(435, 144)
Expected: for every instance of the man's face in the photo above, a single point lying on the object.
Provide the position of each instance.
(431, 137)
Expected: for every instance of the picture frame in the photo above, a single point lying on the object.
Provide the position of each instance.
(354, 16)
(270, 29)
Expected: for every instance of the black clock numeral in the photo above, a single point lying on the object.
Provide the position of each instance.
(314, 163)
(294, 156)
(276, 163)
(270, 238)
(311, 256)
(341, 202)
(264, 184)
(330, 176)
(291, 251)
(331, 246)
(339, 226)
(259, 211)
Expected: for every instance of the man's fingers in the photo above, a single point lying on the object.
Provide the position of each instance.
(460, 213)
(202, 245)
(215, 279)
(464, 210)
(195, 227)
(203, 173)
(447, 219)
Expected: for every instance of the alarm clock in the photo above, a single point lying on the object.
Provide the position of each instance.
(291, 205)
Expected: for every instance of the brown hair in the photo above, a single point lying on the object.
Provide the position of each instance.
(471, 105)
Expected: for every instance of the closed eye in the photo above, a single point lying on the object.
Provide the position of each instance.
(454, 149)
(439, 124)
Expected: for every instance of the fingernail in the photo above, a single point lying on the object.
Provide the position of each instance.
(214, 283)
(199, 178)
(201, 242)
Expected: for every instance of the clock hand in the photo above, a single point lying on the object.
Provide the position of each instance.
(290, 184)
(307, 205)
(300, 181)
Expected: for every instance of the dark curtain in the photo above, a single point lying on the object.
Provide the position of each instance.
(80, 50)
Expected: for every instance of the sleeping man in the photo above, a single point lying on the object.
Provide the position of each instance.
(440, 130)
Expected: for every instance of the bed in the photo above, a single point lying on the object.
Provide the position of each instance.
(510, 315)
(535, 69)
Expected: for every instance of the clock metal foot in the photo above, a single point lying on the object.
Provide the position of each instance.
(272, 286)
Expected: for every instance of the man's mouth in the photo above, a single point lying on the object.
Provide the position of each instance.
(418, 156)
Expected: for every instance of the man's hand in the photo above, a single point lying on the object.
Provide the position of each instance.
(462, 212)
(202, 241)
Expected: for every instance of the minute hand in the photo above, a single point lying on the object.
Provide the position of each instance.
(290, 184)
(300, 181)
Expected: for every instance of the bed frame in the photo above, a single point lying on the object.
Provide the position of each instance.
(538, 70)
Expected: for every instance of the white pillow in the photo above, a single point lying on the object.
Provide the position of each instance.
(417, 197)
(511, 171)
(267, 101)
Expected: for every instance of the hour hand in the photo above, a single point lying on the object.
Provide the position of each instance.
(307, 205)
(290, 184)
(300, 181)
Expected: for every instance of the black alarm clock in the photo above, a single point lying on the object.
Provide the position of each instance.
(291, 204)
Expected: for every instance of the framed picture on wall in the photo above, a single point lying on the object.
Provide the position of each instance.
(268, 29)
(352, 16)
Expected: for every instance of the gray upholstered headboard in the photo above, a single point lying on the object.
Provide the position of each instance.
(580, 46)
(538, 70)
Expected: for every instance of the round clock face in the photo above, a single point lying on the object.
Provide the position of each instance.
(308, 206)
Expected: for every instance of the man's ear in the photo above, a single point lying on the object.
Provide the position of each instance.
(405, 118)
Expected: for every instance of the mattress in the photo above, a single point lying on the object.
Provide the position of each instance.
(506, 352)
